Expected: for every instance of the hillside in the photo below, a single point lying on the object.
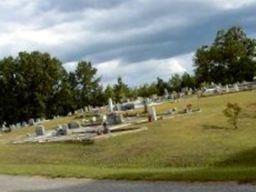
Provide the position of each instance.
(197, 146)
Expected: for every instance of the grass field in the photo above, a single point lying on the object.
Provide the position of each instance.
(194, 147)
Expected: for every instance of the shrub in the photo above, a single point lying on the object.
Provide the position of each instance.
(232, 112)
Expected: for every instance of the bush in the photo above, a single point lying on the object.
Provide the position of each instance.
(232, 112)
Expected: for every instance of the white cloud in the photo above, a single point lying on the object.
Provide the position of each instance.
(140, 72)
(232, 4)
(138, 39)
(146, 71)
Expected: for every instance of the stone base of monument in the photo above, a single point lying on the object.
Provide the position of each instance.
(81, 134)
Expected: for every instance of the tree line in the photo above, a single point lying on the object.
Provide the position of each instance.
(37, 85)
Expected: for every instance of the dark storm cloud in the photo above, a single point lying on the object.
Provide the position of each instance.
(129, 31)
(152, 33)
(78, 5)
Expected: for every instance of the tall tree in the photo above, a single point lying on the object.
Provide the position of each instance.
(29, 83)
(176, 82)
(161, 85)
(229, 59)
(109, 92)
(187, 80)
(120, 90)
(87, 83)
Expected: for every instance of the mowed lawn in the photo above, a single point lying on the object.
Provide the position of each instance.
(193, 147)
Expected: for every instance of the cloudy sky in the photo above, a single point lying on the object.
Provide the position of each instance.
(137, 39)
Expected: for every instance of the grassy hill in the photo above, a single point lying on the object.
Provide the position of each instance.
(197, 147)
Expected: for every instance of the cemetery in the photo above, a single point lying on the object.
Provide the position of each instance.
(214, 89)
(161, 92)
(186, 133)
(91, 124)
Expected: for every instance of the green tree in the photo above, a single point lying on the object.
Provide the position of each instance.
(176, 82)
(10, 90)
(161, 85)
(120, 90)
(229, 59)
(87, 84)
(109, 92)
(187, 81)
(29, 84)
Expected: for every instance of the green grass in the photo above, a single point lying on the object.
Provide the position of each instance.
(194, 147)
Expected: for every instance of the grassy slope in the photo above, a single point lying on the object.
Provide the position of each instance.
(198, 146)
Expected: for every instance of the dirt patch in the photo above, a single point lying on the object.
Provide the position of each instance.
(252, 107)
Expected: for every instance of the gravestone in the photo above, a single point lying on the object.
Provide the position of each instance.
(38, 120)
(24, 124)
(152, 114)
(86, 109)
(115, 118)
(12, 127)
(190, 91)
(63, 130)
(90, 108)
(118, 107)
(110, 105)
(79, 111)
(65, 126)
(40, 130)
(66, 130)
(94, 119)
(104, 118)
(166, 94)
(31, 121)
(227, 89)
(84, 122)
(6, 129)
(74, 125)
(236, 88)
(18, 125)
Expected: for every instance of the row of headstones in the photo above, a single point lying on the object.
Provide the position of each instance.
(152, 115)
(112, 118)
(119, 106)
(175, 95)
(228, 88)
(82, 110)
(4, 127)
(60, 130)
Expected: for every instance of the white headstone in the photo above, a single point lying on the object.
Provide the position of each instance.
(18, 125)
(31, 121)
(227, 89)
(94, 119)
(236, 87)
(118, 107)
(110, 105)
(152, 113)
(166, 93)
(24, 124)
(104, 118)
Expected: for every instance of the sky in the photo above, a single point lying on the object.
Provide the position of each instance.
(136, 39)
